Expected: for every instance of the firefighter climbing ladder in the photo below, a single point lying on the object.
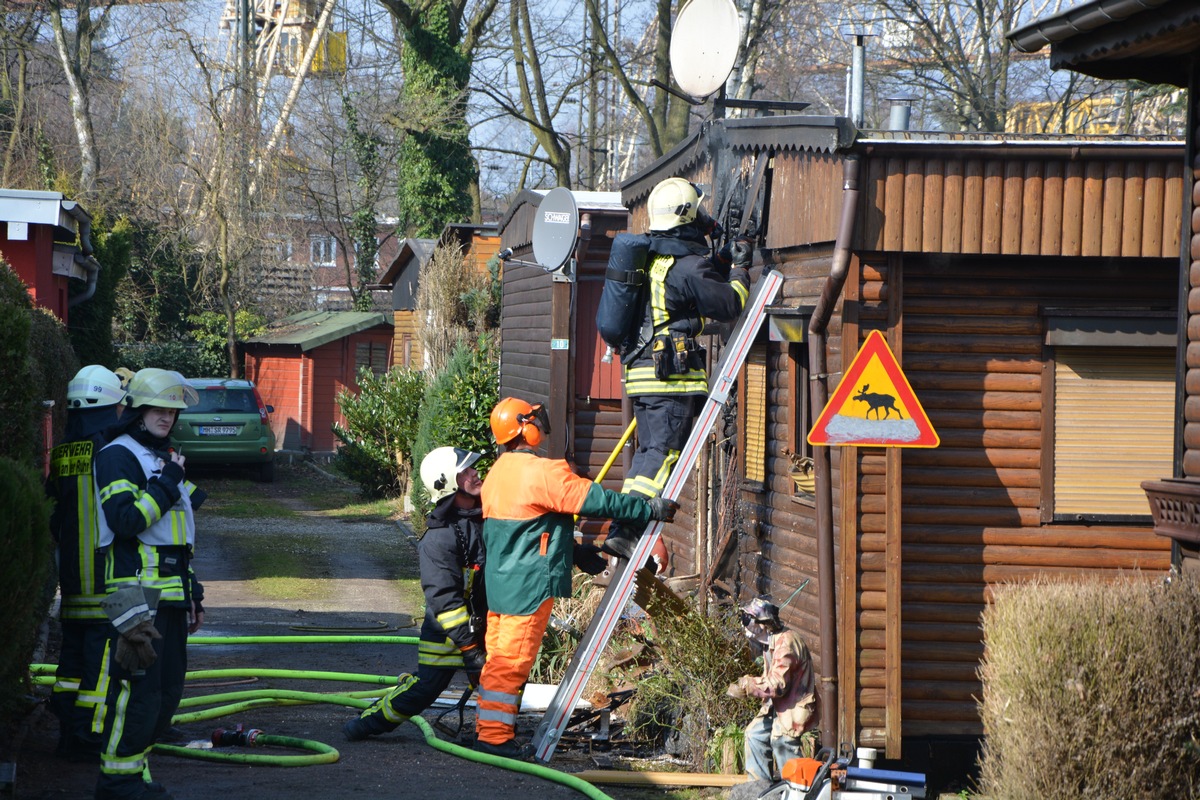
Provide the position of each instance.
(620, 589)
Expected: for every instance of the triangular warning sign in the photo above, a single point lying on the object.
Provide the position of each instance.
(874, 404)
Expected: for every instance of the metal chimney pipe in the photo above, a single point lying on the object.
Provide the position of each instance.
(857, 69)
(899, 116)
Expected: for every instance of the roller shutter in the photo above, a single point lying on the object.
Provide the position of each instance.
(1114, 411)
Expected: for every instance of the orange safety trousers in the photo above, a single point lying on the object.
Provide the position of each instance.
(512, 645)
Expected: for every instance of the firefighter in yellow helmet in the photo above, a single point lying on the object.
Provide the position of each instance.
(529, 505)
(147, 529)
(667, 380)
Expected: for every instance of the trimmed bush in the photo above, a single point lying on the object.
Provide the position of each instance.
(1090, 690)
(381, 425)
(25, 534)
(53, 364)
(456, 409)
(20, 401)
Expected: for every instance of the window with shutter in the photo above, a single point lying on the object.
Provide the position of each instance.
(753, 438)
(1114, 411)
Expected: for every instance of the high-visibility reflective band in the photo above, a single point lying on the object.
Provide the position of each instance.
(658, 289)
(494, 715)
(453, 618)
(492, 696)
(109, 761)
(407, 682)
(641, 380)
(66, 685)
(743, 291)
(75, 605)
(434, 654)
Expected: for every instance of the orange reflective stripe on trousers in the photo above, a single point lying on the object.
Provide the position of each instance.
(512, 645)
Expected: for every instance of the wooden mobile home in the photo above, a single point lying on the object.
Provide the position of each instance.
(1028, 288)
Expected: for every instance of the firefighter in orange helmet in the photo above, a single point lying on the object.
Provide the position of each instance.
(529, 505)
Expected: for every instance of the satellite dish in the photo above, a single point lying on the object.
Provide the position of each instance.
(704, 45)
(555, 229)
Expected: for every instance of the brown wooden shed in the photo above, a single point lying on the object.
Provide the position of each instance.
(1027, 286)
(302, 362)
(1157, 41)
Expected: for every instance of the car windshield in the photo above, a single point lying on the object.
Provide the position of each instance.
(228, 401)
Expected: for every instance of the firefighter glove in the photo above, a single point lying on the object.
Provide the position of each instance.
(474, 659)
(135, 648)
(740, 253)
(587, 557)
(662, 509)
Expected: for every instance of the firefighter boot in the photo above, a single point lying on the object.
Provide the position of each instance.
(366, 726)
(510, 749)
(619, 542)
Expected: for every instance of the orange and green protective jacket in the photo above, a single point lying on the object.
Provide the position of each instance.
(529, 505)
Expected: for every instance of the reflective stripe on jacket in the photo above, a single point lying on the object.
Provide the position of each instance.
(683, 287)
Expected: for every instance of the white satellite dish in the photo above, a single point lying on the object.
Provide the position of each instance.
(704, 45)
(555, 229)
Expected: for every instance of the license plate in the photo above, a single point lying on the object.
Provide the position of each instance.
(218, 430)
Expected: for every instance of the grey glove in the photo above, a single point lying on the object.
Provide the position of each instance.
(587, 557)
(135, 647)
(741, 251)
(662, 509)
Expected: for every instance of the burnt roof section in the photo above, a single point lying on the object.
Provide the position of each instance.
(792, 132)
(1149, 40)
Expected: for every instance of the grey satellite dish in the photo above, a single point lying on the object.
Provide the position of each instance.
(555, 229)
(704, 45)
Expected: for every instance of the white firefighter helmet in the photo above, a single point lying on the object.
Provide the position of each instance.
(440, 469)
(672, 203)
(94, 386)
(161, 388)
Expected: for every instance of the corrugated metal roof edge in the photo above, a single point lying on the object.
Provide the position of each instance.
(787, 132)
(1074, 21)
(337, 325)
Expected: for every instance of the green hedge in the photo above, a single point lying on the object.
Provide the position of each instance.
(25, 532)
(456, 410)
(1092, 690)
(381, 424)
(20, 401)
(53, 364)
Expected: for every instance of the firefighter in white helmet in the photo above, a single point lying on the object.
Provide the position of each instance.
(452, 556)
(94, 398)
(148, 529)
(667, 380)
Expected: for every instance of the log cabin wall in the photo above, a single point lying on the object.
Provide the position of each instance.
(937, 528)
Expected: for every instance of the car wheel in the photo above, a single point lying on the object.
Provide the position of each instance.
(266, 471)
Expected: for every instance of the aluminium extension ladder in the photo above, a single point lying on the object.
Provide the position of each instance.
(620, 589)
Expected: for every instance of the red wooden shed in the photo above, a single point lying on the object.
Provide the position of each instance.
(46, 239)
(301, 364)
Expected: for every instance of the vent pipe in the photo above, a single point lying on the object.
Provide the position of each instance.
(858, 66)
(900, 114)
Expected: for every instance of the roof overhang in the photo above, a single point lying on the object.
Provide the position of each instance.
(1148, 40)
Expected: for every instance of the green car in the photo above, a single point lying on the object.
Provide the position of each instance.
(230, 425)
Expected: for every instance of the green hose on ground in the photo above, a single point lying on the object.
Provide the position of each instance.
(236, 702)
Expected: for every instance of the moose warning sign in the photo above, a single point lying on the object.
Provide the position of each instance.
(874, 405)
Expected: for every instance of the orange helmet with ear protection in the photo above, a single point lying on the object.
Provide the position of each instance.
(511, 418)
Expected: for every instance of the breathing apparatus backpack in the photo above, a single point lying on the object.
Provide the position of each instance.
(623, 299)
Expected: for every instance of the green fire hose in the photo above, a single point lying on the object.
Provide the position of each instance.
(227, 703)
